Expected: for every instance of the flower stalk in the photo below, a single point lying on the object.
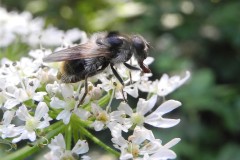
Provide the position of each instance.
(97, 141)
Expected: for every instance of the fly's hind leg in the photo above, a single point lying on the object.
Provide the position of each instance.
(86, 82)
(85, 92)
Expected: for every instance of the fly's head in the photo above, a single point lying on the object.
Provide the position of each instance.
(141, 51)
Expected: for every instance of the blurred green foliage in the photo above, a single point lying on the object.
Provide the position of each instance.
(200, 36)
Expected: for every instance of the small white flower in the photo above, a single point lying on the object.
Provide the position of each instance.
(142, 108)
(53, 88)
(23, 94)
(164, 151)
(102, 117)
(8, 130)
(155, 118)
(68, 104)
(114, 84)
(116, 127)
(165, 85)
(40, 120)
(8, 70)
(59, 151)
(114, 120)
(111, 84)
(27, 67)
(142, 145)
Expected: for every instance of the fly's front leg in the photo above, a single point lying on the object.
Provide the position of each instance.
(131, 68)
(116, 74)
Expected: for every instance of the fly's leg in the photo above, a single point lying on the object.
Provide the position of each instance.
(119, 79)
(131, 68)
(116, 74)
(85, 92)
(86, 82)
(124, 98)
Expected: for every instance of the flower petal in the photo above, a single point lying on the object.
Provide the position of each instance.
(57, 143)
(23, 114)
(160, 122)
(126, 108)
(7, 117)
(83, 114)
(144, 106)
(132, 90)
(41, 110)
(172, 143)
(116, 129)
(43, 124)
(57, 103)
(167, 107)
(39, 96)
(67, 90)
(10, 103)
(167, 85)
(98, 126)
(141, 134)
(164, 154)
(65, 116)
(80, 147)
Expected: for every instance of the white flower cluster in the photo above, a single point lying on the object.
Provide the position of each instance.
(31, 31)
(31, 97)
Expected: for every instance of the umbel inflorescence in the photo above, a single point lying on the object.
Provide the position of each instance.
(38, 108)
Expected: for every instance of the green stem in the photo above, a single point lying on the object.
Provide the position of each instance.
(53, 126)
(149, 95)
(75, 119)
(104, 100)
(101, 102)
(68, 136)
(112, 92)
(75, 133)
(27, 150)
(85, 132)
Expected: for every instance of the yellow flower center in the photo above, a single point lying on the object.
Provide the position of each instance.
(103, 116)
(137, 119)
(68, 155)
(31, 123)
(133, 149)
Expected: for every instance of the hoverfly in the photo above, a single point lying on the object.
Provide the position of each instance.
(101, 50)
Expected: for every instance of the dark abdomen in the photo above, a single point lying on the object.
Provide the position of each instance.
(76, 70)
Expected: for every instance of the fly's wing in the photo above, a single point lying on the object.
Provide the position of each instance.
(82, 51)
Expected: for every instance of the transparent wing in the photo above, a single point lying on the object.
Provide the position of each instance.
(87, 50)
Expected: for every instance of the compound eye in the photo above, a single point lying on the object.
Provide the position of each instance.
(114, 41)
(138, 43)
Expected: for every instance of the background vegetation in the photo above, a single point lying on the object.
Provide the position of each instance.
(200, 36)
